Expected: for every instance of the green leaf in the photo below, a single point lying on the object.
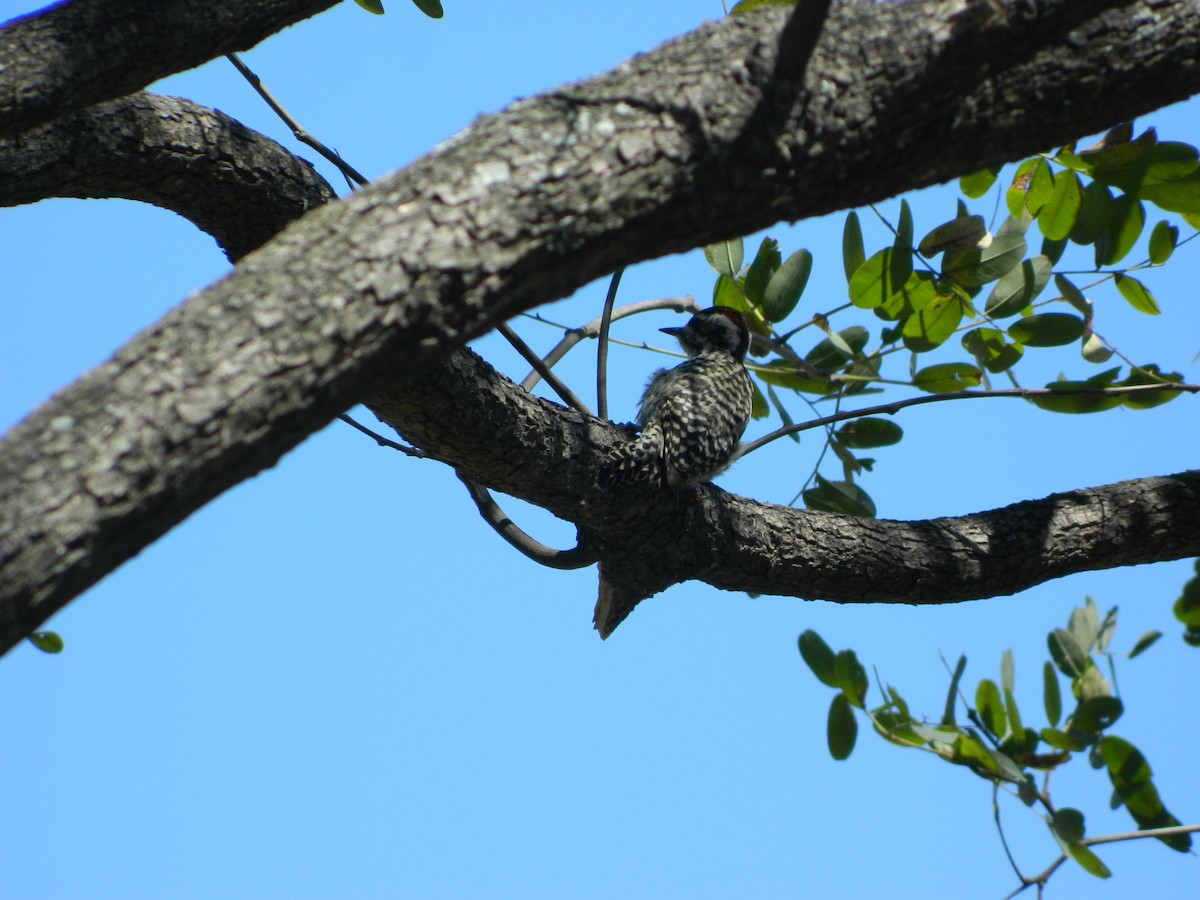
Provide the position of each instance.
(372, 6)
(1084, 624)
(1060, 740)
(1131, 779)
(1053, 250)
(745, 6)
(871, 284)
(725, 258)
(1057, 217)
(818, 657)
(915, 294)
(978, 183)
(945, 378)
(1006, 671)
(1047, 330)
(842, 497)
(782, 373)
(1070, 658)
(766, 262)
(904, 231)
(1094, 350)
(1051, 694)
(47, 641)
(1163, 240)
(431, 8)
(1150, 374)
(1018, 287)
(1095, 213)
(758, 402)
(1071, 293)
(853, 254)
(962, 233)
(975, 268)
(1144, 643)
(1081, 403)
(830, 354)
(869, 432)
(991, 350)
(1068, 824)
(1137, 295)
(1187, 606)
(1095, 715)
(1039, 186)
(842, 728)
(991, 708)
(1135, 170)
(786, 285)
(784, 415)
(933, 325)
(1128, 219)
(851, 677)
(952, 693)
(1180, 196)
(1091, 863)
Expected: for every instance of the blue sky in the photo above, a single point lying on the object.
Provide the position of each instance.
(336, 681)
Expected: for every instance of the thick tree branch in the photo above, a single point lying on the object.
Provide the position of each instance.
(231, 182)
(73, 54)
(647, 540)
(525, 207)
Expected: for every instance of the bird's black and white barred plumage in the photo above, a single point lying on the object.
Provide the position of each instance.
(692, 416)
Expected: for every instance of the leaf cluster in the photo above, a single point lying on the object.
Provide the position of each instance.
(992, 739)
(988, 288)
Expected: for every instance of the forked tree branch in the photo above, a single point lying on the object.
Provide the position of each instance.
(525, 207)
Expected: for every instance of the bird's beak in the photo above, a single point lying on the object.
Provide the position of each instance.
(673, 332)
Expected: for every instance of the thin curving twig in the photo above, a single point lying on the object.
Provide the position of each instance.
(602, 351)
(576, 558)
(1023, 393)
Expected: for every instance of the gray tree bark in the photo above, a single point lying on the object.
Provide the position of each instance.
(667, 152)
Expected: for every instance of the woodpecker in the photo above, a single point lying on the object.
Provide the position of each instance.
(692, 416)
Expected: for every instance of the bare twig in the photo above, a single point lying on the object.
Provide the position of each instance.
(1138, 835)
(1023, 393)
(602, 351)
(576, 558)
(414, 452)
(565, 393)
(298, 133)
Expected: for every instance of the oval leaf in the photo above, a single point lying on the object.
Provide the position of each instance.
(786, 285)
(853, 254)
(842, 729)
(431, 8)
(1047, 330)
(842, 497)
(1163, 239)
(1137, 295)
(47, 641)
(944, 378)
(765, 264)
(818, 657)
(725, 257)
(991, 350)
(1144, 643)
(1051, 695)
(1018, 287)
(865, 433)
(1057, 217)
(978, 183)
